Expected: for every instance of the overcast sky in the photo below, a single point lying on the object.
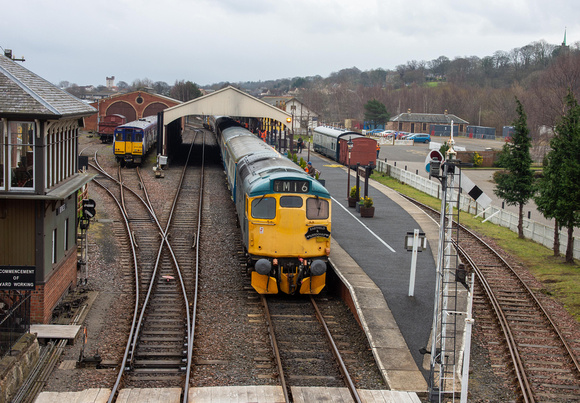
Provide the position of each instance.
(209, 41)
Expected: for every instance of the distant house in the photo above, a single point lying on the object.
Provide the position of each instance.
(304, 118)
(423, 122)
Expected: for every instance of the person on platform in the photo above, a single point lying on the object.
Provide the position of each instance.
(300, 145)
(310, 169)
(378, 149)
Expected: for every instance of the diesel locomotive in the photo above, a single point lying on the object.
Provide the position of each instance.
(284, 214)
(133, 140)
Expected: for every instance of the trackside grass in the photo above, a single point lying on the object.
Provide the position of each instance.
(560, 280)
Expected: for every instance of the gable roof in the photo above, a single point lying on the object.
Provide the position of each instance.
(25, 93)
(228, 101)
(435, 118)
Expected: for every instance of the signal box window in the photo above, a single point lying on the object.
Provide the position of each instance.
(317, 209)
(264, 208)
(291, 201)
(21, 154)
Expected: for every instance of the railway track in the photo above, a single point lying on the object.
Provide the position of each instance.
(304, 349)
(540, 360)
(165, 281)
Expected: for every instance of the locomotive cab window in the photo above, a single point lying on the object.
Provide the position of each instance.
(264, 208)
(119, 136)
(138, 136)
(128, 134)
(317, 209)
(291, 201)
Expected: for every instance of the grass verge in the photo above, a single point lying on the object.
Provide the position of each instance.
(559, 279)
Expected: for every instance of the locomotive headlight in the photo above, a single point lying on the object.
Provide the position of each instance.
(263, 266)
(317, 268)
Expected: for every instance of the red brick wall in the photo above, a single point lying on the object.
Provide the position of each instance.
(46, 296)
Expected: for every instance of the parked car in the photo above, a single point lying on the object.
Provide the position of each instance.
(419, 137)
(373, 132)
(386, 133)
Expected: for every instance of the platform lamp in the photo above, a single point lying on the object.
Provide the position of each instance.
(291, 120)
(349, 144)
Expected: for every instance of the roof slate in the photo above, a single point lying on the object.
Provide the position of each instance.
(23, 92)
(435, 118)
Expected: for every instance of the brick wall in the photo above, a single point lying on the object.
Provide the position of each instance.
(46, 296)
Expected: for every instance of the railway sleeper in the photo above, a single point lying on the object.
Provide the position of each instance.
(140, 363)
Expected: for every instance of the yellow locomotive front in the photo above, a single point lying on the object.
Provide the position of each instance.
(288, 237)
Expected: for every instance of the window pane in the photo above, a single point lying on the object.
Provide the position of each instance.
(317, 209)
(119, 136)
(291, 201)
(264, 208)
(54, 252)
(66, 235)
(21, 145)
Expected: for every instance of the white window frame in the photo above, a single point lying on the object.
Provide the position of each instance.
(9, 160)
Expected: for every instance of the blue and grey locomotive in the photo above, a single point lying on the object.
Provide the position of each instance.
(284, 214)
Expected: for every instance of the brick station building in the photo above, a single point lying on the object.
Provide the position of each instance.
(39, 182)
(133, 105)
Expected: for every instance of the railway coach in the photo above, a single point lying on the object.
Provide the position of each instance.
(108, 125)
(333, 143)
(284, 214)
(133, 140)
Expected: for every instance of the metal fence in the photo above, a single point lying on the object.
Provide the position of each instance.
(539, 233)
(14, 318)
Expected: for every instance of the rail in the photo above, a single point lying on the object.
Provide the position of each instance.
(524, 385)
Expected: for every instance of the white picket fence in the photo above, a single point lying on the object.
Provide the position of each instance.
(540, 233)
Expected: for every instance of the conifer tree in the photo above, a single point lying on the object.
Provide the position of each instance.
(559, 190)
(515, 184)
(376, 112)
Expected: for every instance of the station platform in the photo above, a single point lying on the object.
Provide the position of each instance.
(254, 394)
(369, 255)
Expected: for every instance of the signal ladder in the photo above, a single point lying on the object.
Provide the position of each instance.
(444, 357)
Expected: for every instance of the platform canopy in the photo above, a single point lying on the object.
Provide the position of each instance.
(227, 102)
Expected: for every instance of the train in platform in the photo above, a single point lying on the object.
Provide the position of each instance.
(334, 143)
(284, 214)
(132, 141)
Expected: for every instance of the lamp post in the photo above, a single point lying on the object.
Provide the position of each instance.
(349, 144)
(291, 120)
